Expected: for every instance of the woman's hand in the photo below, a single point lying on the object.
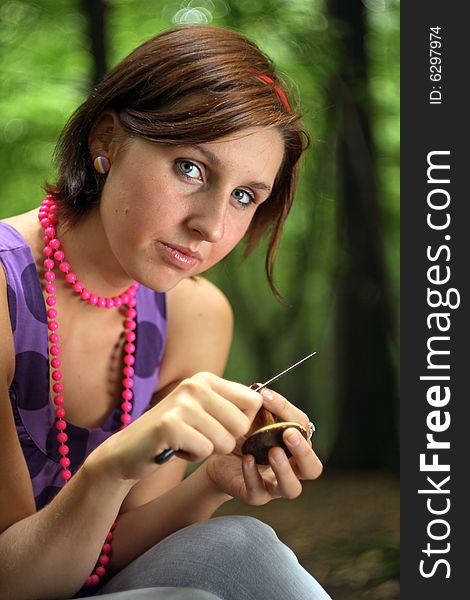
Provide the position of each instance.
(241, 477)
(203, 415)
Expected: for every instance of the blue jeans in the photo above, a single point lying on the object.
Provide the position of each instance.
(225, 558)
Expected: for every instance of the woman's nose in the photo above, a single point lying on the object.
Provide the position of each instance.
(208, 218)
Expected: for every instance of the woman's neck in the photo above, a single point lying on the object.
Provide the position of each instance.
(86, 248)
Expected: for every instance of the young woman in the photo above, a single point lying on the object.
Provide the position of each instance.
(113, 346)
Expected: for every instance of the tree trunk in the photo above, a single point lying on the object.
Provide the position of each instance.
(95, 12)
(366, 383)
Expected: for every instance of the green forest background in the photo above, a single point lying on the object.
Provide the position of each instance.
(338, 265)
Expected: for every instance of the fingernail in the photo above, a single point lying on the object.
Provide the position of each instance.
(267, 394)
(293, 438)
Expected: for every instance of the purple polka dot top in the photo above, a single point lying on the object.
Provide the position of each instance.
(29, 392)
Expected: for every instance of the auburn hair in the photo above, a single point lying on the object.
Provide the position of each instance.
(190, 84)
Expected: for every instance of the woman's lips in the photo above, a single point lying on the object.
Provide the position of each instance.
(180, 256)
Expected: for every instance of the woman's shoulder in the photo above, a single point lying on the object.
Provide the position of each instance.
(200, 326)
(24, 227)
(198, 298)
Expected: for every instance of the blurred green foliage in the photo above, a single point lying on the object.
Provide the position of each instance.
(45, 72)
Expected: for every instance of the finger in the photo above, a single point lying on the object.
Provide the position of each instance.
(205, 423)
(194, 445)
(282, 408)
(227, 414)
(308, 465)
(255, 488)
(187, 423)
(288, 483)
(238, 394)
(193, 393)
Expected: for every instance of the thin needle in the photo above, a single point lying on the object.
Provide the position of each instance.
(262, 385)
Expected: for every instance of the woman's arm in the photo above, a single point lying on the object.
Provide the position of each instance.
(199, 334)
(50, 553)
(200, 325)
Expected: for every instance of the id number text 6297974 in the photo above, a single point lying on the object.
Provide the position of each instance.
(435, 64)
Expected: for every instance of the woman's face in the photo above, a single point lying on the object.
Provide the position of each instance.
(170, 212)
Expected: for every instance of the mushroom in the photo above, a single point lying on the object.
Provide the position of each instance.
(268, 435)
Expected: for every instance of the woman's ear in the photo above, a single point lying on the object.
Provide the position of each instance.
(105, 135)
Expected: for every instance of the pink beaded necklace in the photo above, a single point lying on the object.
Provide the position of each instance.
(126, 301)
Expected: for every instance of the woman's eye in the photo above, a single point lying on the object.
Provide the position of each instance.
(189, 169)
(243, 198)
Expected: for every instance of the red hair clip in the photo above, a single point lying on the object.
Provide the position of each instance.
(277, 89)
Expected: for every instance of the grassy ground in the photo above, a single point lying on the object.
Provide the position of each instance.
(344, 529)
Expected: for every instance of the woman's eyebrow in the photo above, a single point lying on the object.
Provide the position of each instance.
(211, 157)
(259, 185)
